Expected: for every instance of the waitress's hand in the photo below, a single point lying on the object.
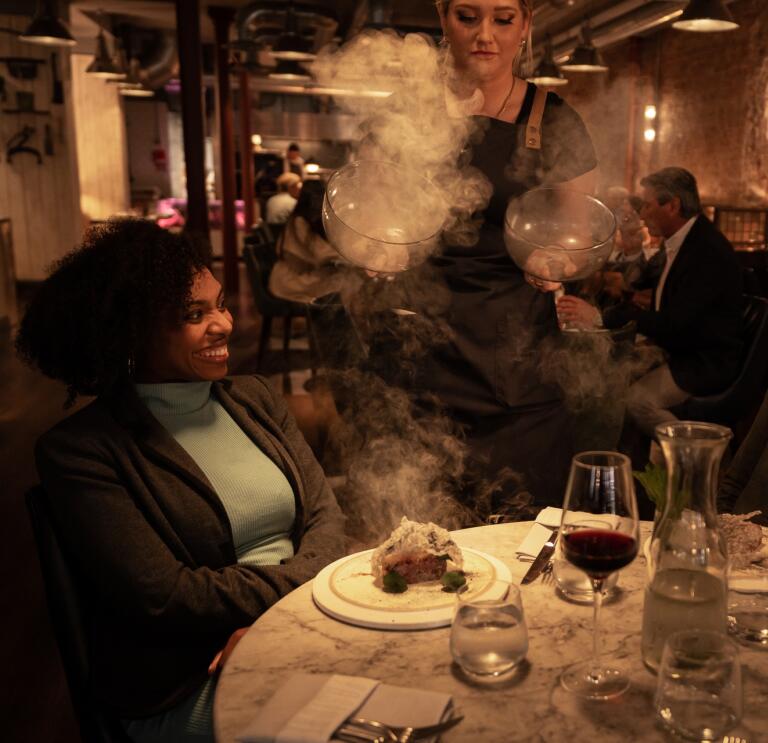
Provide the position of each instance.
(578, 313)
(223, 655)
(541, 284)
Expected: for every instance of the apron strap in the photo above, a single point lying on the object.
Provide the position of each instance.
(533, 127)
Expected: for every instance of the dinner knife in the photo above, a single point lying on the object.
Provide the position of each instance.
(541, 559)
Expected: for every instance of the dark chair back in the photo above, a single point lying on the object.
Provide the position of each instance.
(336, 339)
(259, 261)
(66, 607)
(747, 390)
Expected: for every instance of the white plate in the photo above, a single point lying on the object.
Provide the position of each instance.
(345, 590)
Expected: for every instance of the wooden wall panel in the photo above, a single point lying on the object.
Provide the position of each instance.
(102, 150)
(42, 200)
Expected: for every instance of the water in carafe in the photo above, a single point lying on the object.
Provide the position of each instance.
(687, 586)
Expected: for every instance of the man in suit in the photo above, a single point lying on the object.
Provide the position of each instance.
(695, 312)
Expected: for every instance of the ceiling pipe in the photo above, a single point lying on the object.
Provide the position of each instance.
(641, 19)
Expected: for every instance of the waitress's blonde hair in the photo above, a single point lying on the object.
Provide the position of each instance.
(524, 58)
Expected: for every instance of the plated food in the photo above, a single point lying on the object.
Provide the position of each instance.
(415, 553)
(746, 541)
(352, 589)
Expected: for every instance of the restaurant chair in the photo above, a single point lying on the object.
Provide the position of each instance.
(336, 339)
(66, 606)
(259, 261)
(261, 234)
(731, 405)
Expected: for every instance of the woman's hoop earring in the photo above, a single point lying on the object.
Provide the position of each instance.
(131, 366)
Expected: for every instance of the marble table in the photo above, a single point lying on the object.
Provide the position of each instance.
(295, 635)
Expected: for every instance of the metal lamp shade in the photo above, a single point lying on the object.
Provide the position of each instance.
(46, 28)
(293, 48)
(102, 65)
(585, 58)
(289, 70)
(707, 16)
(548, 73)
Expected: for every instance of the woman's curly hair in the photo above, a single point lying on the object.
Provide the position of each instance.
(102, 303)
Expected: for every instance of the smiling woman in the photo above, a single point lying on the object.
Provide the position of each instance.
(187, 501)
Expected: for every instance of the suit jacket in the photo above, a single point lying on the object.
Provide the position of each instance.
(699, 322)
(152, 546)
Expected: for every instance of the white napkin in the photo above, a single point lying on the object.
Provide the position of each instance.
(549, 518)
(309, 707)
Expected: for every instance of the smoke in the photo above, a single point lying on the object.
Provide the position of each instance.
(594, 371)
(421, 126)
(402, 454)
(405, 461)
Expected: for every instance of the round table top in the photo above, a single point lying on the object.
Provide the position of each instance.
(294, 635)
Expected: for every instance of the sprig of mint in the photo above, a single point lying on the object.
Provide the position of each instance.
(453, 580)
(394, 582)
(654, 480)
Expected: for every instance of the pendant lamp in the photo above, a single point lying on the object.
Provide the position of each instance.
(706, 15)
(585, 57)
(290, 45)
(103, 65)
(133, 86)
(47, 28)
(289, 70)
(547, 72)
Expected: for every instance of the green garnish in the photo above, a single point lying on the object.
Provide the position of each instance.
(394, 582)
(453, 580)
(444, 557)
(654, 480)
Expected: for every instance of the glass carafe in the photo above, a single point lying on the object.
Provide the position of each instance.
(687, 562)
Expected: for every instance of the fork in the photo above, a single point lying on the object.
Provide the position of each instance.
(395, 734)
(547, 577)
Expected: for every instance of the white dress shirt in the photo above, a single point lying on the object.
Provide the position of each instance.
(672, 246)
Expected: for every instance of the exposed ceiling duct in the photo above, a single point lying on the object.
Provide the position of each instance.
(261, 23)
(159, 67)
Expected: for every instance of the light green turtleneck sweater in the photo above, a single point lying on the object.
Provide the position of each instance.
(255, 493)
(260, 505)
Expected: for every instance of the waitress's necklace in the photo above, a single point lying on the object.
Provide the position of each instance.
(509, 95)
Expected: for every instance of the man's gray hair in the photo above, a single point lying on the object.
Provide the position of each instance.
(670, 182)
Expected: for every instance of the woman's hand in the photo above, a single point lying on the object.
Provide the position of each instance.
(642, 299)
(541, 284)
(223, 655)
(577, 312)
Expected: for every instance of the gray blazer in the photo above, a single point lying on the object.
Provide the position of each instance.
(152, 545)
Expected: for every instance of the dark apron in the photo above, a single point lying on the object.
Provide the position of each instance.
(488, 375)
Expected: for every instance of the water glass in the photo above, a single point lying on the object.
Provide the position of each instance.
(488, 635)
(699, 689)
(575, 585)
(748, 609)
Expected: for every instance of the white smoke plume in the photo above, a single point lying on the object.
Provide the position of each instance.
(421, 126)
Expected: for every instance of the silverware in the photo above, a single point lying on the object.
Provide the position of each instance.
(541, 559)
(547, 574)
(393, 734)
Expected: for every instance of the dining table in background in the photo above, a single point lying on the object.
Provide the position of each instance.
(295, 635)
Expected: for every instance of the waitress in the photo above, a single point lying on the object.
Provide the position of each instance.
(490, 375)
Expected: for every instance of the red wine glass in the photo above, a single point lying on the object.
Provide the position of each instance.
(599, 533)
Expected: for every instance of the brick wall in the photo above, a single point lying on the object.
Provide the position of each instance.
(711, 90)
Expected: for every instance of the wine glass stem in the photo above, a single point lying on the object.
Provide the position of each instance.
(597, 589)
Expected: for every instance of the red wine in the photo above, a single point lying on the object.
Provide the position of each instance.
(599, 552)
